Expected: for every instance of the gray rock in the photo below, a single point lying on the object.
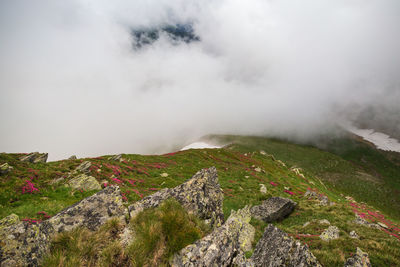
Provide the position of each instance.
(73, 157)
(360, 259)
(331, 233)
(84, 182)
(354, 235)
(24, 244)
(116, 157)
(276, 248)
(273, 209)
(200, 195)
(84, 167)
(362, 221)
(5, 168)
(323, 200)
(35, 157)
(221, 246)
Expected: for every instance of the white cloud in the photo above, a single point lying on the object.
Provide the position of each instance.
(70, 82)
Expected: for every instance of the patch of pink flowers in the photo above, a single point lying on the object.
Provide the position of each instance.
(118, 181)
(289, 192)
(273, 184)
(29, 187)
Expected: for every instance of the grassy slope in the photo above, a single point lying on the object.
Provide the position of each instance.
(140, 175)
(353, 167)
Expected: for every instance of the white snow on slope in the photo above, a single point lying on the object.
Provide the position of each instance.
(199, 145)
(380, 140)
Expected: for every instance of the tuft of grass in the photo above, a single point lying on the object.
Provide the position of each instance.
(82, 247)
(161, 232)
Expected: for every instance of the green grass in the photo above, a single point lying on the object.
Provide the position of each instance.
(344, 167)
(157, 234)
(161, 232)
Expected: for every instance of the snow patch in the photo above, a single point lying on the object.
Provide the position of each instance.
(199, 145)
(380, 140)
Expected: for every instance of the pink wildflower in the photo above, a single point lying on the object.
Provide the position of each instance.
(29, 187)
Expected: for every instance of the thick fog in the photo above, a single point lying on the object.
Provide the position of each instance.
(72, 83)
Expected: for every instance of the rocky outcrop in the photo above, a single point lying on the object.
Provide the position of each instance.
(331, 233)
(273, 209)
(360, 259)
(200, 195)
(222, 246)
(5, 168)
(73, 157)
(24, 244)
(84, 182)
(35, 157)
(276, 248)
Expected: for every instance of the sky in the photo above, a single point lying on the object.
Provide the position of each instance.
(71, 83)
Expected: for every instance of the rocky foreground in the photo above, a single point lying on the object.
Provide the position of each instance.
(25, 243)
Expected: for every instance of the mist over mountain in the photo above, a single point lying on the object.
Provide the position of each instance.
(98, 77)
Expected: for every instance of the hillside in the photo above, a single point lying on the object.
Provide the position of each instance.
(353, 176)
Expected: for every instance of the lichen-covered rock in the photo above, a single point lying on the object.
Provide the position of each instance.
(91, 212)
(360, 259)
(276, 248)
(331, 233)
(73, 157)
(24, 244)
(35, 157)
(8, 221)
(5, 168)
(273, 209)
(200, 195)
(84, 182)
(221, 246)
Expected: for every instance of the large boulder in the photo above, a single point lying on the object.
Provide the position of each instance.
(84, 182)
(273, 209)
(360, 259)
(276, 248)
(5, 168)
(200, 195)
(35, 157)
(91, 212)
(24, 244)
(221, 247)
